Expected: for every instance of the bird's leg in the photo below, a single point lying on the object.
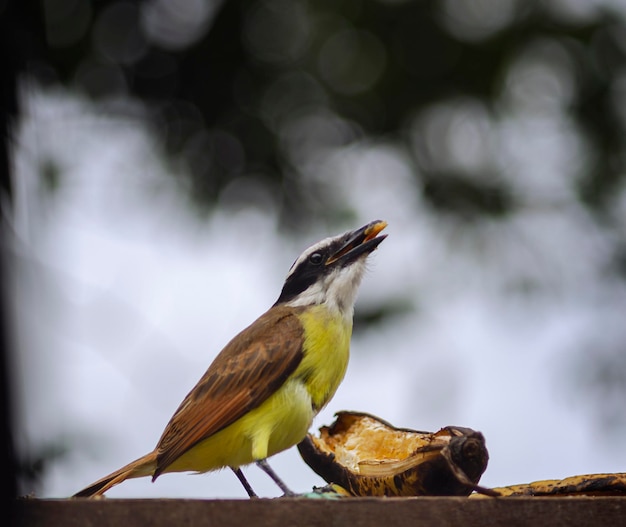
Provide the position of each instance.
(263, 465)
(244, 482)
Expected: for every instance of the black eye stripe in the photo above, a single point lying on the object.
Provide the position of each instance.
(304, 274)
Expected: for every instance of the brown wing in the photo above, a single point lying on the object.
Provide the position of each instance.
(246, 372)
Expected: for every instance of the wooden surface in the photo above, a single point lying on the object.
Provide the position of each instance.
(302, 512)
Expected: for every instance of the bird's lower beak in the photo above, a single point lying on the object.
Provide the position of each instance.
(359, 242)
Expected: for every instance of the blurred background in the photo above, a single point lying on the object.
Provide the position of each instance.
(171, 158)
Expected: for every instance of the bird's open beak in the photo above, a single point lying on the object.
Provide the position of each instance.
(359, 242)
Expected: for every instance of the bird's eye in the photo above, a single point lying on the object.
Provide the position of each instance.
(316, 258)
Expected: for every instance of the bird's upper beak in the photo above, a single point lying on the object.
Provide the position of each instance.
(359, 242)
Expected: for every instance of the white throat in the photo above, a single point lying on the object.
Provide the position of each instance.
(337, 290)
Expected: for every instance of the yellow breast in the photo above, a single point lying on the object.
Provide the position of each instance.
(326, 352)
(283, 419)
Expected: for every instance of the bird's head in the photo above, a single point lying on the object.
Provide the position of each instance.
(330, 271)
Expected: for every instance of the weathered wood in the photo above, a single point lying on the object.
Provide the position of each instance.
(356, 512)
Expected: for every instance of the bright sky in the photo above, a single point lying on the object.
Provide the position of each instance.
(122, 300)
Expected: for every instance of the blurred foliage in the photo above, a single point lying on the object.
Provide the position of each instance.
(32, 467)
(235, 88)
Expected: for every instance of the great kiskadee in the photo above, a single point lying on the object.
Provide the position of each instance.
(261, 393)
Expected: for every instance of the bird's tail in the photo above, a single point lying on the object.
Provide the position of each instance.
(144, 466)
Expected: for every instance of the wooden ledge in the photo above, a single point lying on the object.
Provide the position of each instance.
(302, 512)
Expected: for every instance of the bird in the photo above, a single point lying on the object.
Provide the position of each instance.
(261, 392)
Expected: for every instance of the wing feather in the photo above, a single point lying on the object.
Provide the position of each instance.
(249, 369)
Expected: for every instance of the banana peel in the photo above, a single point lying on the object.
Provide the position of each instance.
(367, 456)
(362, 455)
(584, 485)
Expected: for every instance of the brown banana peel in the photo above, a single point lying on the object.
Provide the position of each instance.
(362, 455)
(584, 485)
(367, 456)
